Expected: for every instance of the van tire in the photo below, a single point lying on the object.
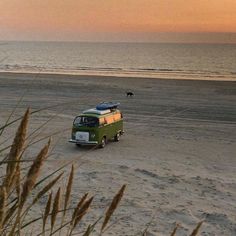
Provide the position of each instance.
(78, 145)
(117, 137)
(103, 142)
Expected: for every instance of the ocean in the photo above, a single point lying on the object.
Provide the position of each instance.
(196, 61)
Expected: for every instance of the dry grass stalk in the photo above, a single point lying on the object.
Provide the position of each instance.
(113, 206)
(67, 194)
(82, 211)
(55, 209)
(46, 188)
(88, 231)
(68, 188)
(78, 207)
(196, 230)
(3, 196)
(11, 184)
(16, 149)
(33, 174)
(10, 213)
(47, 211)
(18, 183)
(174, 231)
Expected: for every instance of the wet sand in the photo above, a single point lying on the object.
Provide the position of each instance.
(177, 155)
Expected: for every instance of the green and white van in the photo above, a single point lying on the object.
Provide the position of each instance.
(96, 127)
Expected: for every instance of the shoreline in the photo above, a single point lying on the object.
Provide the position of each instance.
(163, 76)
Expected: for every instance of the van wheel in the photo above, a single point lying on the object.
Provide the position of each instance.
(103, 142)
(117, 137)
(78, 145)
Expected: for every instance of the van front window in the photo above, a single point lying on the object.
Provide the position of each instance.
(86, 121)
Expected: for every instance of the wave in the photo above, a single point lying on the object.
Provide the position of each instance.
(117, 71)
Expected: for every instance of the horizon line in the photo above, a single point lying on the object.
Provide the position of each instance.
(101, 41)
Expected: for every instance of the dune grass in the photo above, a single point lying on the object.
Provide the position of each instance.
(20, 192)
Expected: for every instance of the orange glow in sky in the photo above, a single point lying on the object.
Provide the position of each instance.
(115, 19)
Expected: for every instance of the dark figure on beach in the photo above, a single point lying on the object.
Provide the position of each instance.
(129, 94)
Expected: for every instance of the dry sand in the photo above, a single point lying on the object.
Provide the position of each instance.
(177, 156)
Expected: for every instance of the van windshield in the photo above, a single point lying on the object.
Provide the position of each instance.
(86, 121)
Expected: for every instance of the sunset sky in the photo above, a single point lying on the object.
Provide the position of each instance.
(119, 20)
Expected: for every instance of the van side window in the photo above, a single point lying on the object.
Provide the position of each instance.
(102, 121)
(117, 116)
(109, 119)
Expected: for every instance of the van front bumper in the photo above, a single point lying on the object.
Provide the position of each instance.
(83, 142)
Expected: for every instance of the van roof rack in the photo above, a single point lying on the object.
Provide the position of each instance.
(107, 105)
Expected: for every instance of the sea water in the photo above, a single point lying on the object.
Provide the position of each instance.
(197, 61)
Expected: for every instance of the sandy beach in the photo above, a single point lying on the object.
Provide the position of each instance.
(177, 155)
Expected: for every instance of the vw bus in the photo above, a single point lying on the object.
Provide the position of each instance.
(98, 125)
